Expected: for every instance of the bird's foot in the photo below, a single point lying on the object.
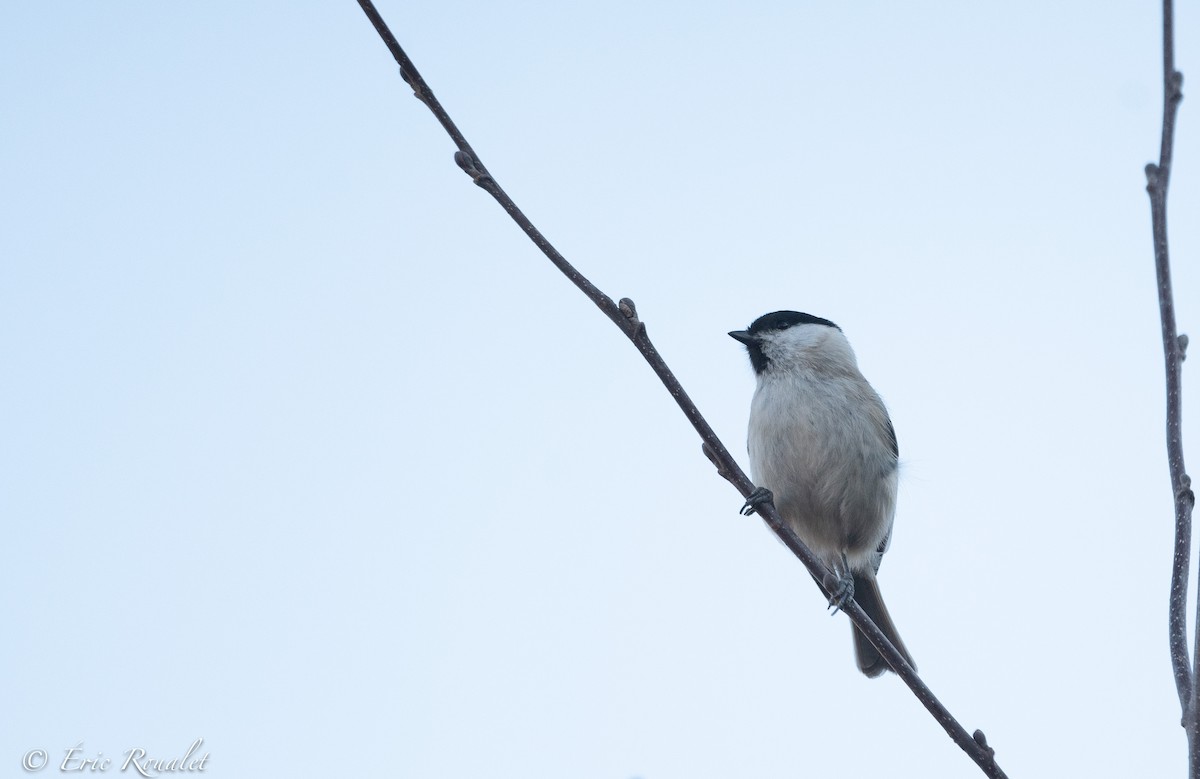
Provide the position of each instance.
(842, 591)
(760, 497)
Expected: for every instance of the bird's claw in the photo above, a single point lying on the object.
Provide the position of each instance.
(842, 592)
(760, 497)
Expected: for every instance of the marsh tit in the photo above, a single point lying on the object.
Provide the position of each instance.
(823, 448)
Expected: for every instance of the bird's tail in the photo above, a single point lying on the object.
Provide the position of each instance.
(870, 662)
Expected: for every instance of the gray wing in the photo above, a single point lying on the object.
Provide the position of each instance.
(877, 558)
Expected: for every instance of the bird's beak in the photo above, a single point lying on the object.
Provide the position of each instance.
(743, 336)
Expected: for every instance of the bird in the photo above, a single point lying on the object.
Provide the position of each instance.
(823, 450)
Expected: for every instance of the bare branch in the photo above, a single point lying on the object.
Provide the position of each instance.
(624, 316)
(1174, 349)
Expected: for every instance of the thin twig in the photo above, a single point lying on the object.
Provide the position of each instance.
(1158, 179)
(624, 315)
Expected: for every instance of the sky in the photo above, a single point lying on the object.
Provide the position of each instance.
(307, 452)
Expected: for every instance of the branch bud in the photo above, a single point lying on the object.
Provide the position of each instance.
(1175, 85)
(469, 166)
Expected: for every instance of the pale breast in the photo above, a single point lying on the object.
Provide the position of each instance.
(823, 448)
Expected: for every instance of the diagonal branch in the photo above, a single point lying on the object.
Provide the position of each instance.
(624, 316)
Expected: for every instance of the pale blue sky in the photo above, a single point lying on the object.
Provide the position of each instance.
(308, 452)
